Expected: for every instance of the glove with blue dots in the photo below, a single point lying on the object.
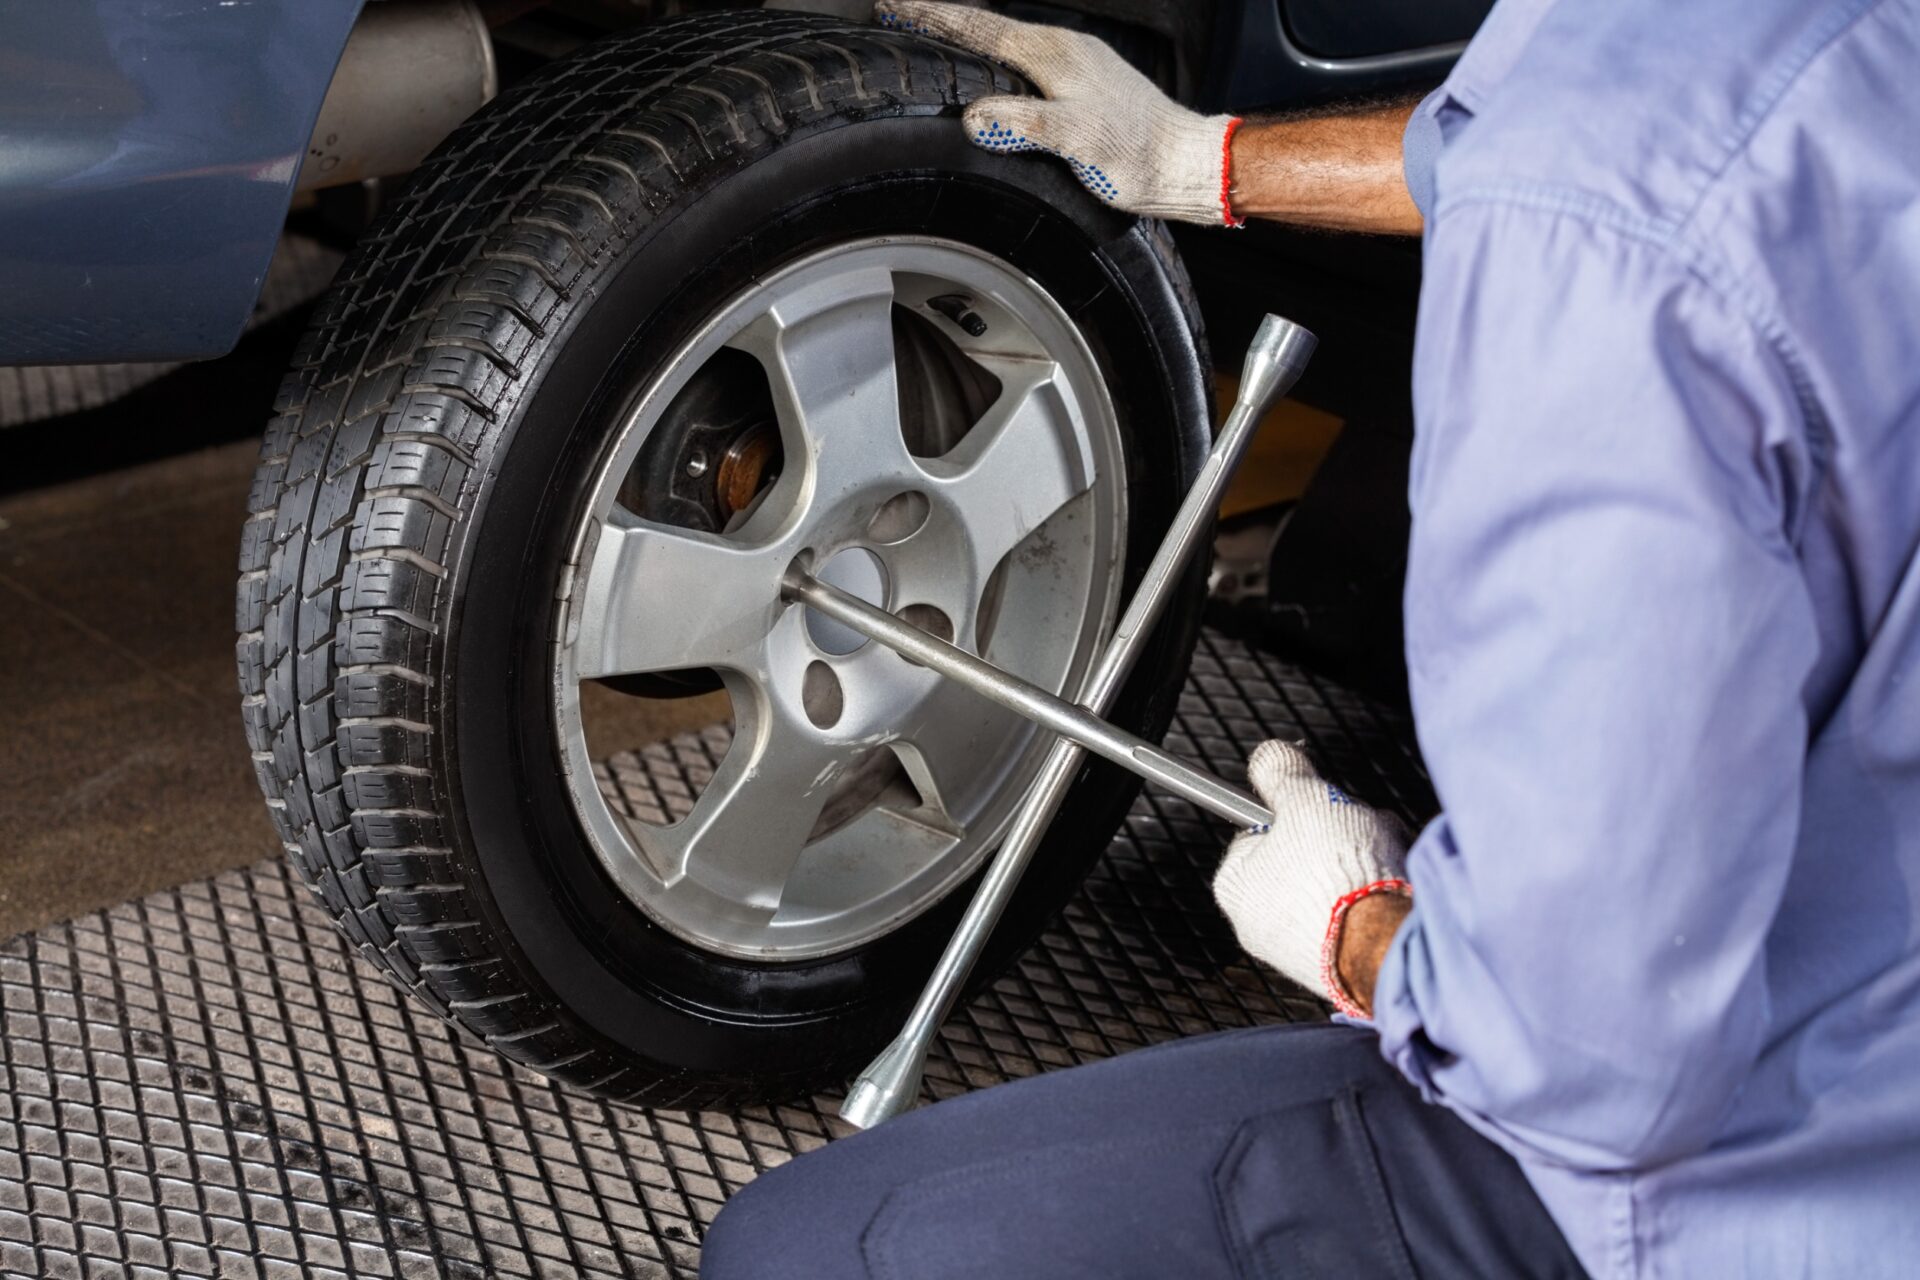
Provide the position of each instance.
(1127, 142)
(1287, 889)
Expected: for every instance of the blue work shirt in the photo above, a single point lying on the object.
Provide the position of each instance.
(1663, 627)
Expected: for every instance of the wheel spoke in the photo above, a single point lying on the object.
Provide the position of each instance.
(829, 355)
(748, 828)
(953, 742)
(1019, 465)
(658, 598)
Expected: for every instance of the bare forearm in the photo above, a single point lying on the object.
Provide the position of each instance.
(1365, 936)
(1336, 172)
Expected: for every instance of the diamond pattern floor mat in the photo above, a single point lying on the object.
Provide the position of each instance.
(206, 1082)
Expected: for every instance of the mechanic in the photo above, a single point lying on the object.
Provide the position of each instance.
(1659, 963)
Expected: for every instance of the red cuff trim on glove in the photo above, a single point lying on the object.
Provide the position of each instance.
(1330, 947)
(1226, 174)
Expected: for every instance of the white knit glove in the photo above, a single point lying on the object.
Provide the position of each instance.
(1287, 890)
(1127, 142)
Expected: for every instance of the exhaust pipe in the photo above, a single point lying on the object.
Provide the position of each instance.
(411, 72)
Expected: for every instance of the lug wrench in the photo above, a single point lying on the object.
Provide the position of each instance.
(887, 1087)
(1066, 719)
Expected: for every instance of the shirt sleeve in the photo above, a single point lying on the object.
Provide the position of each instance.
(1608, 638)
(1420, 148)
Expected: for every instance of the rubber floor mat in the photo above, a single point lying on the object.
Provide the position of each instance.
(206, 1082)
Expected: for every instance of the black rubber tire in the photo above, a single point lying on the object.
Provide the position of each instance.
(428, 459)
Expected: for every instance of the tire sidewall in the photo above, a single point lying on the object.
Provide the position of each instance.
(576, 936)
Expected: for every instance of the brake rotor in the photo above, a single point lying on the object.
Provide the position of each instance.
(715, 449)
(747, 469)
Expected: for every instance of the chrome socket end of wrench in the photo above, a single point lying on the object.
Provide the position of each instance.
(1275, 361)
(888, 1086)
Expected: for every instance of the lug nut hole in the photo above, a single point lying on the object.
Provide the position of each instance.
(933, 621)
(899, 518)
(821, 696)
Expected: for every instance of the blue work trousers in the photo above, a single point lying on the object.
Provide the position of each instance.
(1275, 1151)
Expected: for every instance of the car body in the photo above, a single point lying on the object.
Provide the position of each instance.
(149, 149)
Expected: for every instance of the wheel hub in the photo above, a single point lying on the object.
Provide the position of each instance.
(856, 571)
(965, 477)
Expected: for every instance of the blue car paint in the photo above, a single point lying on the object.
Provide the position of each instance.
(148, 150)
(1260, 65)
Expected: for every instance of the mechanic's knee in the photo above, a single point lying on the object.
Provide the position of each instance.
(743, 1241)
(773, 1227)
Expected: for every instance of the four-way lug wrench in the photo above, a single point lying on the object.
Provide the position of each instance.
(1066, 719)
(891, 1081)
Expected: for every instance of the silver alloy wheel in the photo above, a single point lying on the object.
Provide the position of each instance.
(783, 855)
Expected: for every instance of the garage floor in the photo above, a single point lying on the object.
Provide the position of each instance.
(198, 1078)
(205, 1081)
(122, 764)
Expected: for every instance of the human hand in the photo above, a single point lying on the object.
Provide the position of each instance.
(1288, 890)
(1127, 142)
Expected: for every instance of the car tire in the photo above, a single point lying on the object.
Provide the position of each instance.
(409, 536)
